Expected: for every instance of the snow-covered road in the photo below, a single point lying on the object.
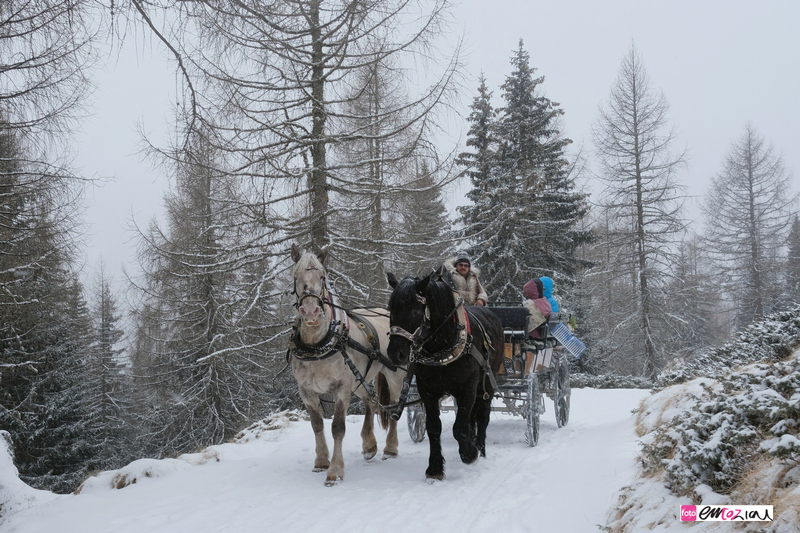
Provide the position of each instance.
(567, 483)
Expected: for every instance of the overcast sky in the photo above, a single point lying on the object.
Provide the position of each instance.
(719, 63)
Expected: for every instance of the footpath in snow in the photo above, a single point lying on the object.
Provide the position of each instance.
(568, 483)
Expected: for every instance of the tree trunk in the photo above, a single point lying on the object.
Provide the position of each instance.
(318, 175)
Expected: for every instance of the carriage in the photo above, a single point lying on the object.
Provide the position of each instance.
(532, 369)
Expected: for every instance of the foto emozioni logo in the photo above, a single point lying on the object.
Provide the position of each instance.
(726, 513)
(688, 513)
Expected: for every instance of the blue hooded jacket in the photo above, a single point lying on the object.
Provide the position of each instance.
(548, 292)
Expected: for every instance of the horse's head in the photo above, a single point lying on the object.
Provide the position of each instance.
(310, 287)
(406, 312)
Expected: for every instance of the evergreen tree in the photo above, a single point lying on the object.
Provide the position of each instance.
(480, 137)
(111, 393)
(201, 300)
(41, 342)
(525, 216)
(425, 231)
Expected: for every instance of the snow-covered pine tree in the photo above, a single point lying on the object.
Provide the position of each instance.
(47, 50)
(426, 233)
(203, 280)
(480, 137)
(42, 347)
(111, 399)
(524, 220)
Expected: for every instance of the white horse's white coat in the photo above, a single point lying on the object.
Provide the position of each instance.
(332, 375)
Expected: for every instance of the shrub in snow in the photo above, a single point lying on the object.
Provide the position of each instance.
(730, 439)
(133, 473)
(754, 411)
(273, 422)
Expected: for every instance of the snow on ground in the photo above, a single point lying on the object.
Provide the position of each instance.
(568, 483)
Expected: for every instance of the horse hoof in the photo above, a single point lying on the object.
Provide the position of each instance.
(333, 480)
(434, 478)
(435, 474)
(320, 468)
(469, 458)
(369, 454)
(389, 455)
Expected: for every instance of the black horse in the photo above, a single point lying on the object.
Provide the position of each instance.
(450, 348)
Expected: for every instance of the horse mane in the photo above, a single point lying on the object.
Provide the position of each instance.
(405, 291)
(441, 304)
(306, 261)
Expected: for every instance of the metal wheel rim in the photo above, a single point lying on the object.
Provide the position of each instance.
(563, 398)
(416, 422)
(532, 410)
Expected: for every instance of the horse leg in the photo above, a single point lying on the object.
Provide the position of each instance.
(390, 450)
(433, 425)
(336, 469)
(481, 414)
(394, 384)
(369, 446)
(311, 401)
(463, 430)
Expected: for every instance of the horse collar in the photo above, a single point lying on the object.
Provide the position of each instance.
(325, 348)
(448, 355)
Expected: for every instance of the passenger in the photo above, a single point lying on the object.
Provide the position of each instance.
(539, 309)
(548, 293)
(465, 279)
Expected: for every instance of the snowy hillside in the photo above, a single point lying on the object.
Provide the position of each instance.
(263, 482)
(730, 440)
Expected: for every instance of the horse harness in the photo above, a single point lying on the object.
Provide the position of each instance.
(462, 345)
(338, 338)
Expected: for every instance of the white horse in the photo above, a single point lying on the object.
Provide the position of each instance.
(340, 353)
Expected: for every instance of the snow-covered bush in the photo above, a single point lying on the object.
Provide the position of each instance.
(753, 412)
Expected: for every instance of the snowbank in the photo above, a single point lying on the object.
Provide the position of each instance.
(15, 495)
(733, 440)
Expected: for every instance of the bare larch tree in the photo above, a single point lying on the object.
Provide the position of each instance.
(633, 146)
(749, 211)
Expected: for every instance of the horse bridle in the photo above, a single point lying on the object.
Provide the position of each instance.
(397, 331)
(323, 297)
(416, 338)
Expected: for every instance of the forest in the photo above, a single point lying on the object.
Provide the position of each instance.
(302, 122)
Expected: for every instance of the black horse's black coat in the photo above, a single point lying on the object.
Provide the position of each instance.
(465, 378)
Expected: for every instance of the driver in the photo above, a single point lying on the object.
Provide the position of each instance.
(465, 279)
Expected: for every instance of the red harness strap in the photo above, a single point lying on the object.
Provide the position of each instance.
(466, 322)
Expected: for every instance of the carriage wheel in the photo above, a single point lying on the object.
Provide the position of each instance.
(415, 416)
(562, 393)
(532, 409)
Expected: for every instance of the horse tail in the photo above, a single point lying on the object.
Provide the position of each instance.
(384, 398)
